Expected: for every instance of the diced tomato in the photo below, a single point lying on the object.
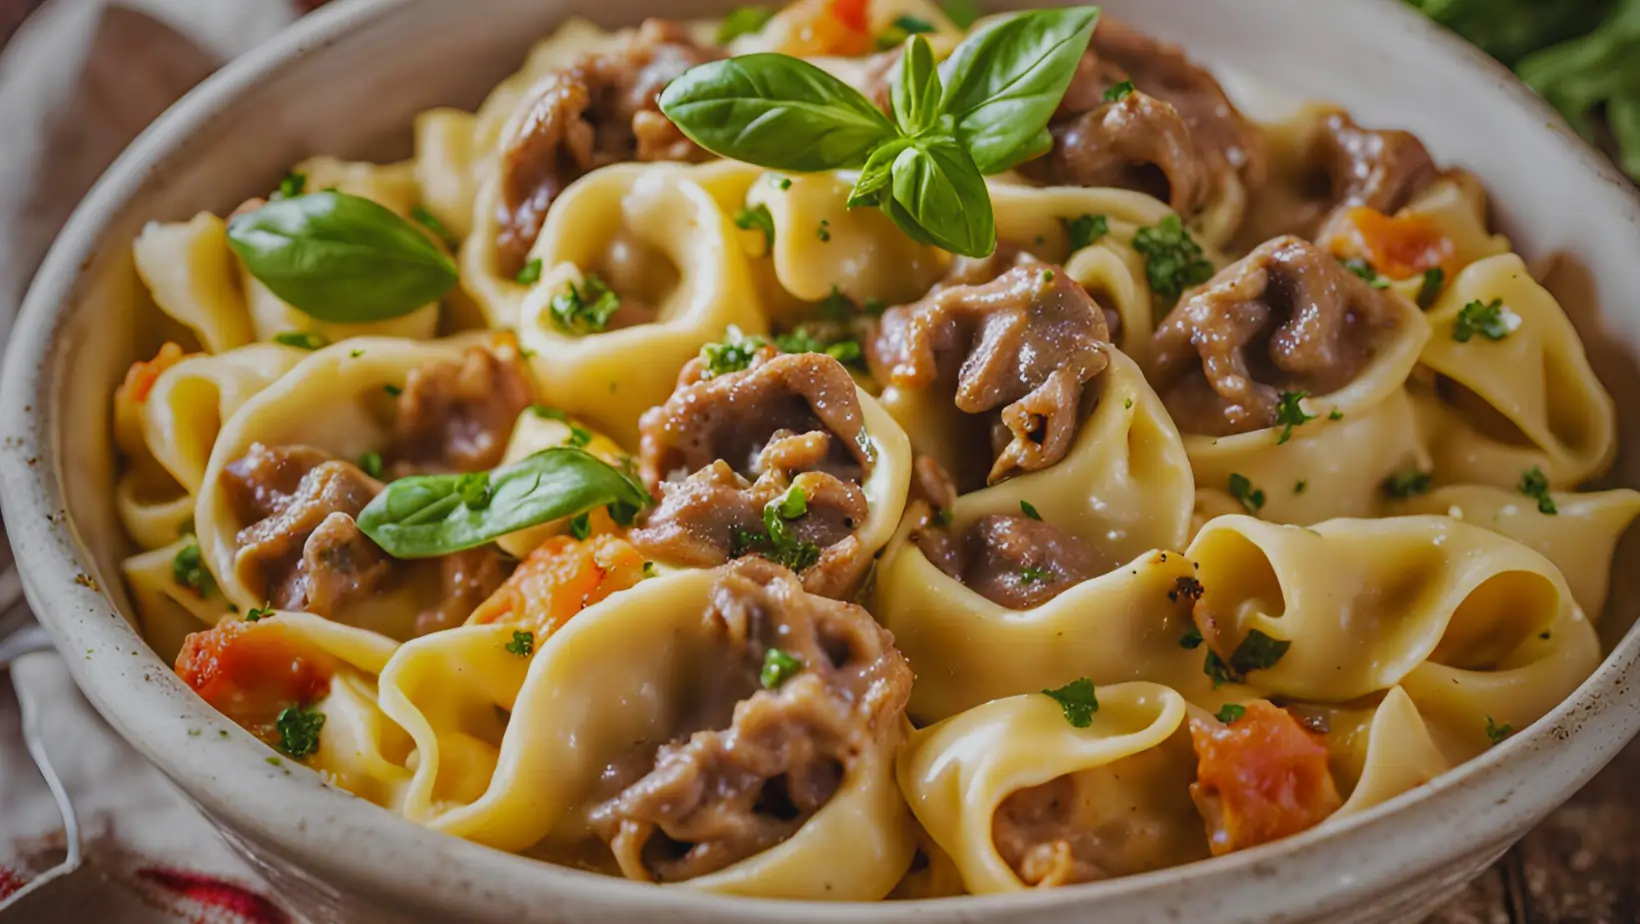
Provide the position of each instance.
(562, 577)
(140, 378)
(251, 671)
(1260, 778)
(1398, 247)
(829, 28)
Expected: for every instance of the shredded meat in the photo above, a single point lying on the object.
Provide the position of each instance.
(747, 766)
(1379, 169)
(1260, 778)
(1013, 561)
(456, 415)
(302, 549)
(1177, 136)
(1287, 317)
(787, 421)
(600, 110)
(1020, 349)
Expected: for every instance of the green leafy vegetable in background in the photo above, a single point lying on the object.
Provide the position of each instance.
(1511, 29)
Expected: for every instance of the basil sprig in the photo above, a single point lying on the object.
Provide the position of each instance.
(429, 515)
(983, 111)
(340, 258)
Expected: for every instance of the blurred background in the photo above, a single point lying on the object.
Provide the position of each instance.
(80, 78)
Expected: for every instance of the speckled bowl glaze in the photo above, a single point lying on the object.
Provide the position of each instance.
(348, 80)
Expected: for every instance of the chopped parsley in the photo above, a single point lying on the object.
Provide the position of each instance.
(530, 274)
(778, 667)
(393, 390)
(1047, 276)
(733, 354)
(293, 185)
(1291, 414)
(1535, 484)
(1491, 320)
(1191, 640)
(1187, 588)
(1029, 510)
(299, 730)
(1409, 483)
(584, 309)
(1173, 260)
(1127, 405)
(371, 464)
(1336, 414)
(1078, 700)
(1229, 713)
(944, 516)
(355, 354)
(548, 413)
(579, 436)
(623, 513)
(1496, 733)
(781, 183)
(801, 340)
(1365, 270)
(257, 613)
(745, 20)
(757, 219)
(649, 570)
(1085, 230)
(301, 339)
(1255, 653)
(522, 644)
(1032, 575)
(430, 221)
(825, 231)
(474, 490)
(1300, 485)
(1430, 290)
(783, 547)
(1242, 489)
(188, 569)
(580, 526)
(1119, 92)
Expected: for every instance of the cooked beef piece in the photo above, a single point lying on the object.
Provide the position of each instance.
(1177, 137)
(1378, 169)
(747, 766)
(1025, 344)
(456, 415)
(1287, 317)
(932, 483)
(734, 417)
(466, 579)
(602, 109)
(716, 515)
(302, 550)
(1013, 561)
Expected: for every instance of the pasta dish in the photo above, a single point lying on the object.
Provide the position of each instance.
(865, 450)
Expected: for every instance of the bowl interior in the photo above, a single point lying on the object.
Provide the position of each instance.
(349, 81)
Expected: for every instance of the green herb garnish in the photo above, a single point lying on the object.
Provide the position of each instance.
(1085, 230)
(1496, 733)
(342, 259)
(1191, 640)
(301, 339)
(1229, 713)
(962, 13)
(1029, 510)
(757, 219)
(530, 274)
(1173, 260)
(1534, 484)
(371, 464)
(983, 111)
(1251, 498)
(745, 20)
(188, 569)
(778, 667)
(293, 185)
(299, 730)
(474, 489)
(584, 309)
(1430, 289)
(1407, 484)
(580, 526)
(258, 613)
(1490, 320)
(1031, 575)
(734, 354)
(1119, 92)
(1366, 271)
(1078, 700)
(430, 221)
(522, 644)
(1291, 414)
(903, 28)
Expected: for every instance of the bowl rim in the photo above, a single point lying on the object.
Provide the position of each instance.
(379, 853)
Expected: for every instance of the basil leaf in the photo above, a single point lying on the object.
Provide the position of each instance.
(916, 95)
(1004, 83)
(341, 258)
(775, 111)
(938, 188)
(428, 515)
(872, 186)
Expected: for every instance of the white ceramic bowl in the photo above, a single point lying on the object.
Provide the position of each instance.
(348, 80)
